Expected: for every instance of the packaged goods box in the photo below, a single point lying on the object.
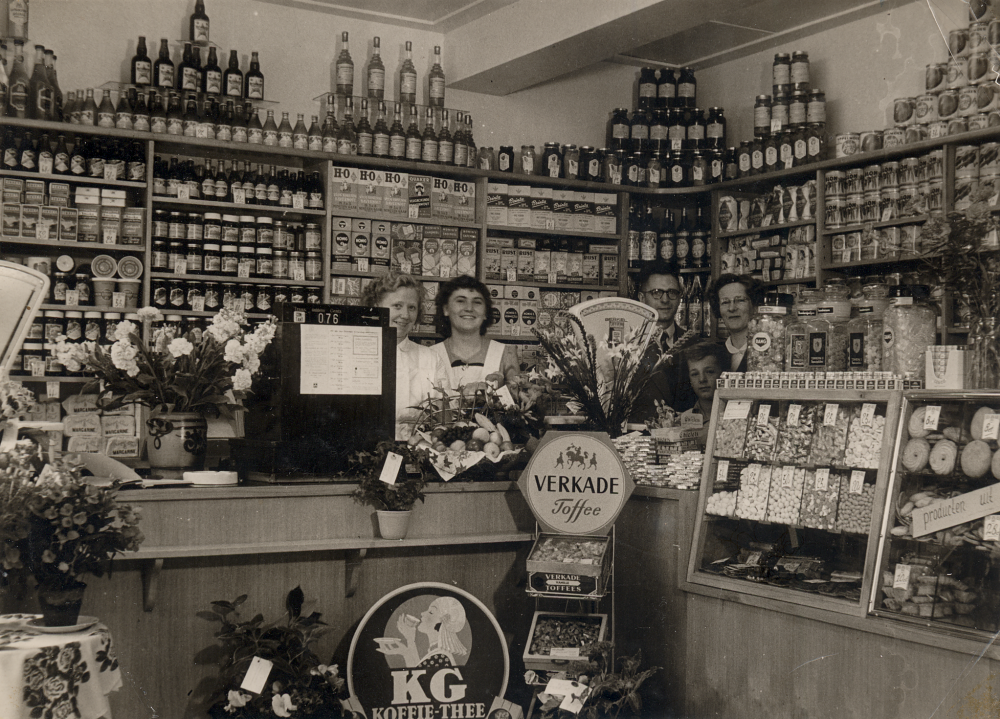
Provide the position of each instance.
(562, 210)
(606, 213)
(381, 232)
(431, 256)
(519, 206)
(369, 190)
(468, 241)
(464, 200)
(496, 203)
(541, 208)
(583, 211)
(344, 185)
(442, 207)
(395, 189)
(540, 654)
(340, 245)
(419, 197)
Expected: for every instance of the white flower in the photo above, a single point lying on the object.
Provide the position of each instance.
(282, 705)
(241, 380)
(124, 329)
(150, 314)
(237, 699)
(179, 347)
(226, 324)
(234, 351)
(251, 364)
(123, 357)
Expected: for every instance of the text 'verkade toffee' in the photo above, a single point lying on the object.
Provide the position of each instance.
(577, 484)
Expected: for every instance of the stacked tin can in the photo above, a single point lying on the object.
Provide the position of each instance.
(975, 166)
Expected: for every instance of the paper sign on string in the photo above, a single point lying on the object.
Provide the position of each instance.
(991, 426)
(867, 414)
(390, 470)
(822, 479)
(41, 231)
(256, 676)
(763, 414)
(931, 417)
(901, 577)
(737, 409)
(298, 202)
(722, 471)
(857, 481)
(198, 304)
(830, 414)
(794, 410)
(239, 197)
(362, 264)
(553, 278)
(991, 528)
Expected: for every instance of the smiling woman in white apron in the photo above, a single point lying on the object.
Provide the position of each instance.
(464, 311)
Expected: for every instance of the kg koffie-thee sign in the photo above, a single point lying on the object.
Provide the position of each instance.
(576, 483)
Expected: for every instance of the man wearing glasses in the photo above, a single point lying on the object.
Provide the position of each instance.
(660, 288)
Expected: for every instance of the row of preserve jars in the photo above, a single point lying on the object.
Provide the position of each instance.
(890, 335)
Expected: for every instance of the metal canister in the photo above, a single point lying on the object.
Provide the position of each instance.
(846, 144)
(904, 111)
(890, 174)
(835, 211)
(957, 125)
(869, 206)
(851, 214)
(871, 180)
(987, 97)
(909, 195)
(989, 158)
(916, 133)
(909, 168)
(937, 129)
(888, 204)
(933, 165)
(925, 109)
(967, 161)
(993, 118)
(979, 68)
(993, 33)
(967, 100)
(964, 189)
(958, 42)
(871, 140)
(935, 194)
(958, 70)
(979, 121)
(834, 185)
(854, 181)
(978, 41)
(893, 137)
(936, 77)
(947, 105)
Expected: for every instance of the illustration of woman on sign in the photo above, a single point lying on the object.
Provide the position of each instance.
(441, 622)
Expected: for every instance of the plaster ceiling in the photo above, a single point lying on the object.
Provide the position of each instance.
(431, 15)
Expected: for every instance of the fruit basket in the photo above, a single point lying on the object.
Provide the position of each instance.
(557, 638)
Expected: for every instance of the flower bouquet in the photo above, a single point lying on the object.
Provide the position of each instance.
(15, 399)
(298, 684)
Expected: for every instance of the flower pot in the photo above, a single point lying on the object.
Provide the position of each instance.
(393, 524)
(60, 605)
(177, 441)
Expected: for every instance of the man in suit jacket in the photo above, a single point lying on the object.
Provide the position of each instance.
(659, 287)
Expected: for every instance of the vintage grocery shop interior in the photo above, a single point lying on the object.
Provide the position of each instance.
(826, 545)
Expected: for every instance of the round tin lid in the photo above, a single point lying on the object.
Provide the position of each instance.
(65, 263)
(103, 266)
(129, 267)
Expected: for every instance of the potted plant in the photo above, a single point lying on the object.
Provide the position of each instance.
(393, 502)
(57, 528)
(298, 684)
(182, 378)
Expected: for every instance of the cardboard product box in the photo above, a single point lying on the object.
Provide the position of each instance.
(464, 200)
(529, 315)
(491, 261)
(11, 220)
(441, 198)
(495, 327)
(58, 189)
(37, 186)
(34, 198)
(338, 286)
(946, 367)
(369, 190)
(574, 262)
(570, 298)
(510, 314)
(550, 299)
(108, 193)
(607, 293)
(29, 220)
(497, 292)
(354, 286)
(496, 203)
(543, 260)
(587, 295)
(544, 318)
(448, 263)
(560, 260)
(512, 292)
(48, 223)
(133, 225)
(395, 189)
(466, 262)
(13, 184)
(407, 256)
(591, 269)
(428, 308)
(11, 197)
(541, 208)
(431, 257)
(380, 244)
(111, 225)
(530, 292)
(525, 265)
(508, 263)
(340, 243)
(344, 188)
(419, 197)
(583, 211)
(606, 212)
(519, 206)
(68, 224)
(562, 210)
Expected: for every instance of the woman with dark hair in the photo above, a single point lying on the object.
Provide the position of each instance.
(464, 307)
(418, 369)
(734, 299)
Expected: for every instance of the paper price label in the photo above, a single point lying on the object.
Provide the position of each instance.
(405, 267)
(931, 417)
(737, 409)
(857, 481)
(110, 235)
(753, 474)
(775, 126)
(763, 414)
(722, 471)
(391, 467)
(787, 477)
(789, 163)
(886, 214)
(553, 278)
(256, 676)
(239, 197)
(830, 414)
(511, 274)
(991, 528)
(298, 202)
(993, 200)
(299, 274)
(565, 652)
(767, 221)
(550, 224)
(45, 165)
(901, 577)
(991, 426)
(72, 298)
(244, 271)
(822, 479)
(52, 390)
(794, 410)
(198, 304)
(867, 414)
(414, 213)
(754, 558)
(505, 397)
(41, 231)
(37, 367)
(118, 300)
(362, 264)
(183, 192)
(110, 171)
(180, 265)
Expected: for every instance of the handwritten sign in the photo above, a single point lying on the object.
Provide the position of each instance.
(867, 414)
(964, 508)
(830, 414)
(931, 417)
(737, 409)
(794, 410)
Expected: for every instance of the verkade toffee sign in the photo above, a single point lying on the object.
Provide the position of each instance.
(576, 483)
(429, 651)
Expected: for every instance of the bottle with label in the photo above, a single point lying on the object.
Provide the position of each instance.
(700, 237)
(681, 316)
(211, 75)
(364, 132)
(696, 128)
(619, 129)
(347, 141)
(4, 78)
(190, 117)
(639, 131)
(232, 78)
(330, 130)
(687, 88)
(636, 218)
(88, 111)
(375, 84)
(106, 111)
(187, 77)
(163, 68)
(429, 140)
(157, 114)
(41, 95)
(380, 134)
(683, 240)
(268, 132)
(142, 67)
(648, 235)
(17, 93)
(665, 237)
(696, 306)
(300, 134)
(140, 112)
(397, 135)
(807, 336)
(17, 19)
(756, 156)
(414, 145)
(344, 68)
(771, 152)
(60, 158)
(446, 144)
(123, 112)
(199, 25)
(715, 129)
(647, 89)
(666, 88)
(408, 77)
(254, 85)
(43, 154)
(241, 125)
(314, 136)
(436, 81)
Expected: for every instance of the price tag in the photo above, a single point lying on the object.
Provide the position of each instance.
(110, 235)
(886, 214)
(414, 213)
(37, 367)
(901, 577)
(737, 409)
(298, 202)
(505, 397)
(822, 479)
(991, 528)
(857, 481)
(180, 266)
(830, 414)
(511, 274)
(775, 126)
(754, 558)
(183, 192)
(931, 417)
(244, 271)
(564, 652)
(753, 474)
(763, 414)
(867, 414)
(767, 221)
(299, 274)
(256, 676)
(118, 300)
(787, 477)
(550, 224)
(391, 467)
(722, 471)
(41, 231)
(72, 298)
(789, 163)
(198, 304)
(239, 197)
(362, 264)
(553, 278)
(991, 426)
(794, 410)
(52, 390)
(110, 171)
(45, 165)
(993, 200)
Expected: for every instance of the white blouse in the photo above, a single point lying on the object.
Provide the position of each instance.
(418, 370)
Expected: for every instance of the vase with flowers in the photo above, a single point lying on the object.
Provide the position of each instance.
(14, 402)
(182, 377)
(58, 529)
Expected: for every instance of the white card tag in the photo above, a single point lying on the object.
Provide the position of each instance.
(775, 126)
(830, 414)
(553, 278)
(857, 481)
(931, 417)
(110, 172)
(822, 479)
(511, 274)
(391, 467)
(991, 528)
(737, 409)
(763, 414)
(901, 577)
(362, 264)
(37, 367)
(256, 676)
(753, 558)
(793, 414)
(722, 471)
(991, 426)
(244, 271)
(753, 474)
(886, 214)
(118, 300)
(550, 224)
(298, 202)
(867, 414)
(72, 298)
(180, 266)
(183, 192)
(198, 304)
(787, 477)
(41, 231)
(110, 235)
(505, 397)
(299, 274)
(414, 213)
(239, 197)
(564, 652)
(52, 390)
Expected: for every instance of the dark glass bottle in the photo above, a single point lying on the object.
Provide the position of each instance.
(429, 140)
(364, 131)
(414, 143)
(142, 67)
(123, 112)
(397, 135)
(345, 68)
(198, 30)
(187, 75)
(163, 69)
(140, 111)
(212, 76)
(61, 157)
(255, 79)
(436, 81)
(314, 136)
(408, 77)
(232, 78)
(446, 144)
(380, 135)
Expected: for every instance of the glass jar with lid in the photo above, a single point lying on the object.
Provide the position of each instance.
(84, 288)
(864, 330)
(248, 230)
(654, 171)
(619, 129)
(639, 131)
(781, 73)
(212, 258)
(658, 131)
(194, 258)
(265, 261)
(247, 261)
(699, 174)
(93, 325)
(54, 324)
(715, 129)
(613, 165)
(835, 307)
(837, 297)
(762, 116)
(195, 227)
(505, 158)
(487, 159)
(696, 128)
(590, 164)
(526, 160)
(230, 229)
(160, 256)
(742, 158)
(265, 231)
(808, 335)
(908, 329)
(571, 162)
(766, 334)
(551, 160)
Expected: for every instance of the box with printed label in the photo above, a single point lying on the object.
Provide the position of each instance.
(448, 259)
(513, 292)
(395, 189)
(11, 226)
(48, 223)
(550, 299)
(606, 213)
(344, 188)
(419, 197)
(519, 206)
(464, 200)
(108, 193)
(428, 308)
(39, 186)
(466, 259)
(133, 219)
(510, 315)
(55, 201)
(591, 269)
(441, 198)
(491, 262)
(111, 219)
(497, 292)
(529, 292)
(340, 245)
(88, 223)
(68, 218)
(541, 208)
(369, 190)
(361, 241)
(569, 299)
(529, 315)
(29, 220)
(543, 259)
(13, 184)
(544, 318)
(583, 211)
(525, 265)
(562, 210)
(34, 198)
(381, 233)
(609, 269)
(431, 257)
(574, 267)
(58, 189)
(559, 260)
(11, 197)
(508, 263)
(496, 203)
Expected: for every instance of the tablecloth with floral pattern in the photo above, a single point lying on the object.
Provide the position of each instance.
(55, 676)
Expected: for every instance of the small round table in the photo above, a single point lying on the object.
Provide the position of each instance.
(57, 675)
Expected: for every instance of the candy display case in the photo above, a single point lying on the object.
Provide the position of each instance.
(792, 494)
(939, 554)
(557, 638)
